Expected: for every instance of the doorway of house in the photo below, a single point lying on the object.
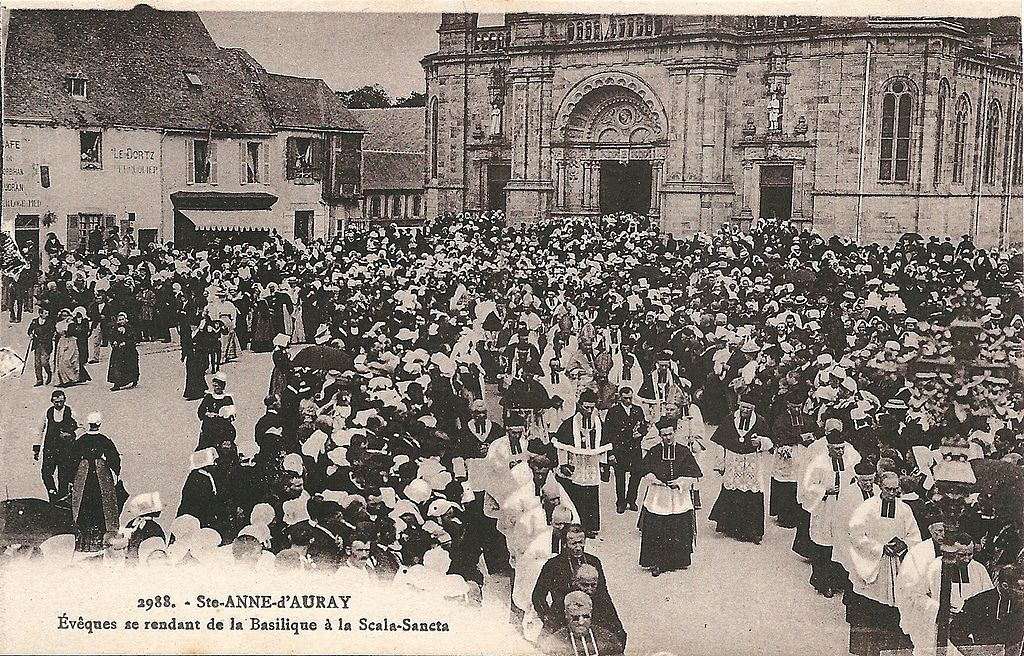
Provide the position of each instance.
(497, 176)
(26, 235)
(303, 224)
(776, 192)
(625, 187)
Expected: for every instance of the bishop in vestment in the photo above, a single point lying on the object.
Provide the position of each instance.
(582, 451)
(667, 518)
(739, 510)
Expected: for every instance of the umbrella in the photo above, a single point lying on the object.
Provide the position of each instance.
(911, 236)
(323, 358)
(32, 521)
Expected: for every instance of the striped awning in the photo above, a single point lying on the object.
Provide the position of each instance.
(233, 220)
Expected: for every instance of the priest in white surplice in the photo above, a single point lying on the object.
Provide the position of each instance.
(913, 569)
(824, 480)
(882, 530)
(968, 578)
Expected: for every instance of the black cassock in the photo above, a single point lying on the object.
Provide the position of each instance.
(667, 538)
(739, 509)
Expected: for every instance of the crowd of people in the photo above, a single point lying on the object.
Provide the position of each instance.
(471, 385)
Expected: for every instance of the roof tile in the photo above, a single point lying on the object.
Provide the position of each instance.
(394, 129)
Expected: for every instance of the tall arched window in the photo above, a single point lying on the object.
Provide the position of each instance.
(434, 121)
(963, 116)
(894, 151)
(940, 127)
(988, 173)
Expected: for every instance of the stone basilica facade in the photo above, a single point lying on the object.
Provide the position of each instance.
(868, 128)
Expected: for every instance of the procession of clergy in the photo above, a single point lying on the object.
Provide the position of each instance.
(773, 357)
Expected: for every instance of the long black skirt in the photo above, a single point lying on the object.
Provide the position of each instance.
(587, 502)
(667, 540)
(802, 543)
(783, 504)
(874, 627)
(124, 366)
(195, 375)
(739, 514)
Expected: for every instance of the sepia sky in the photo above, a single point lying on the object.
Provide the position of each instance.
(347, 50)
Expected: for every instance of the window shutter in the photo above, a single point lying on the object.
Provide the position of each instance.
(72, 232)
(264, 163)
(318, 158)
(190, 164)
(291, 154)
(213, 161)
(242, 164)
(109, 221)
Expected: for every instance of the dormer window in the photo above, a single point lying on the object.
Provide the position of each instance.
(76, 86)
(193, 80)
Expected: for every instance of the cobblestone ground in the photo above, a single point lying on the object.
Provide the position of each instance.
(737, 598)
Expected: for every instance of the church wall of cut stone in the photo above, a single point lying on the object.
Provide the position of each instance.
(865, 128)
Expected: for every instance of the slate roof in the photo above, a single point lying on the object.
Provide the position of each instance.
(392, 171)
(306, 103)
(394, 129)
(135, 63)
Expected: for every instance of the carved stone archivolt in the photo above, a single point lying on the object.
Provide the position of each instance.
(612, 115)
(612, 107)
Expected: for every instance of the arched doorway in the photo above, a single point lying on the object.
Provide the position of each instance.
(613, 130)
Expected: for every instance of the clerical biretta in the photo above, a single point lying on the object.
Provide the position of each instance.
(667, 518)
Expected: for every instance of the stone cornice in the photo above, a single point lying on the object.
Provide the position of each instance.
(522, 74)
(702, 65)
(697, 187)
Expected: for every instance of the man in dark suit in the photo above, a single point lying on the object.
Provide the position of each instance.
(41, 330)
(270, 419)
(329, 536)
(625, 426)
(557, 575)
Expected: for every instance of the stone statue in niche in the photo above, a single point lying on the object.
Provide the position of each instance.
(775, 94)
(496, 89)
(775, 82)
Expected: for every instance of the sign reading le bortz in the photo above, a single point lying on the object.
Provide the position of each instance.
(135, 161)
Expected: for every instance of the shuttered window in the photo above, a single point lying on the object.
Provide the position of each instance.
(201, 161)
(347, 165)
